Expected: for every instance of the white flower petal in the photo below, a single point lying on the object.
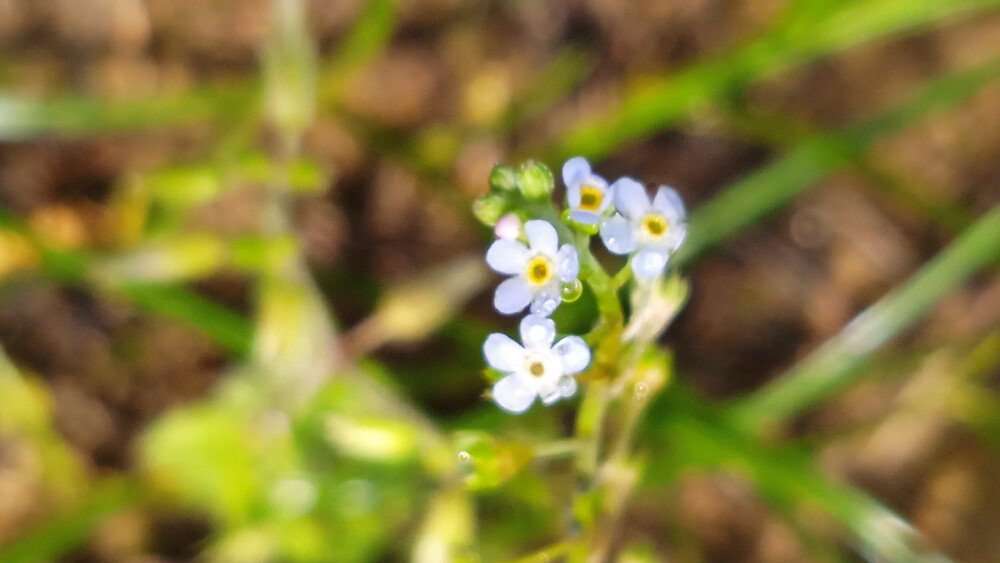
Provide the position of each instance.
(513, 395)
(649, 262)
(567, 386)
(503, 353)
(568, 263)
(575, 354)
(547, 300)
(669, 202)
(618, 235)
(551, 397)
(507, 256)
(542, 237)
(575, 169)
(537, 331)
(512, 295)
(631, 198)
(573, 195)
(676, 235)
(584, 217)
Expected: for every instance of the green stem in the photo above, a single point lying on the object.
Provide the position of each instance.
(555, 449)
(622, 277)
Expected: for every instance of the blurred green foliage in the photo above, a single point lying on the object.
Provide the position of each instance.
(304, 453)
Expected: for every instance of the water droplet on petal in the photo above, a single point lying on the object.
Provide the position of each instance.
(567, 387)
(544, 306)
(571, 291)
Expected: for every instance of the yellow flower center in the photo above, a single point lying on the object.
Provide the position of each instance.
(536, 368)
(539, 270)
(590, 198)
(655, 225)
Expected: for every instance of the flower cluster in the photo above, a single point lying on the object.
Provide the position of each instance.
(541, 271)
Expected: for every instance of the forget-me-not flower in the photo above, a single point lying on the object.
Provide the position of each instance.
(649, 230)
(587, 193)
(537, 369)
(536, 271)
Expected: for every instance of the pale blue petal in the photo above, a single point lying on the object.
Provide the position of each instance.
(617, 234)
(649, 262)
(568, 263)
(538, 331)
(512, 295)
(584, 217)
(575, 354)
(507, 256)
(542, 237)
(547, 300)
(669, 203)
(575, 169)
(567, 386)
(502, 353)
(513, 395)
(631, 198)
(573, 195)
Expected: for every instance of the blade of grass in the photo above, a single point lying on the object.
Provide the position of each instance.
(228, 329)
(66, 266)
(698, 438)
(837, 363)
(792, 41)
(61, 534)
(70, 116)
(763, 192)
(366, 40)
(785, 133)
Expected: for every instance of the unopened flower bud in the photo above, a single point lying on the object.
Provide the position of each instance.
(489, 208)
(508, 227)
(535, 180)
(503, 178)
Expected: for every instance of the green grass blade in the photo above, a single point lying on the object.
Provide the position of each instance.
(366, 40)
(763, 192)
(70, 116)
(783, 132)
(698, 438)
(837, 363)
(61, 534)
(793, 41)
(228, 329)
(369, 35)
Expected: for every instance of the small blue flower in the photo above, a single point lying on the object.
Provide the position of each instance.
(649, 230)
(587, 193)
(537, 369)
(537, 270)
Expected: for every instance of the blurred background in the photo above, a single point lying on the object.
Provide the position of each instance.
(242, 297)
